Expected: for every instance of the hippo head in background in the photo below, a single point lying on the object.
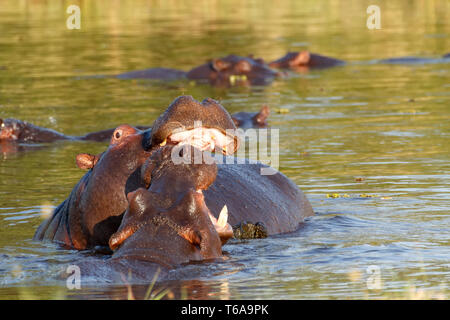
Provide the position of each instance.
(304, 60)
(206, 125)
(93, 210)
(170, 223)
(232, 70)
(247, 120)
(11, 129)
(22, 131)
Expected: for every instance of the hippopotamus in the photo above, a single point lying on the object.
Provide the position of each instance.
(305, 60)
(24, 132)
(166, 225)
(224, 71)
(247, 120)
(94, 209)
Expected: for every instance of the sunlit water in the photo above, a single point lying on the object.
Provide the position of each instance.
(376, 135)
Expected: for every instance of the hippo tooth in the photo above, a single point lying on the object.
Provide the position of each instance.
(162, 144)
(223, 217)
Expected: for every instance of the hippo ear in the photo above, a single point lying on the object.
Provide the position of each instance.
(302, 58)
(219, 65)
(262, 115)
(86, 161)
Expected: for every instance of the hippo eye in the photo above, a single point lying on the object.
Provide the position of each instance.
(118, 134)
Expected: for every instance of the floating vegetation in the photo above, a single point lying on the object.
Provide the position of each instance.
(282, 110)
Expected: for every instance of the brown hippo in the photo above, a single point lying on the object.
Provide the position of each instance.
(93, 210)
(304, 60)
(225, 71)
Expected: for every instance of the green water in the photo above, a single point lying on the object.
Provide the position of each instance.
(386, 124)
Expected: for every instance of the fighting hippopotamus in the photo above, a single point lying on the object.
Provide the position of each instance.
(166, 225)
(94, 209)
(305, 60)
(225, 71)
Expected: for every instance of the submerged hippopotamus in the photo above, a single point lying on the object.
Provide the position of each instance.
(252, 119)
(164, 226)
(305, 60)
(94, 209)
(225, 71)
(25, 132)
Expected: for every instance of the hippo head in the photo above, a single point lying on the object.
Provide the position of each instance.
(10, 129)
(169, 222)
(206, 125)
(292, 60)
(304, 60)
(100, 196)
(232, 70)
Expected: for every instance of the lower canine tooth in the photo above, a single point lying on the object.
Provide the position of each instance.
(223, 217)
(162, 144)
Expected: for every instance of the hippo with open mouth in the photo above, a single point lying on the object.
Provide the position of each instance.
(94, 209)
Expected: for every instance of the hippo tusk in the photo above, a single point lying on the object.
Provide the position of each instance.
(223, 217)
(162, 144)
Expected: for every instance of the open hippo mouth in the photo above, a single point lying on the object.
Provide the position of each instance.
(206, 126)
